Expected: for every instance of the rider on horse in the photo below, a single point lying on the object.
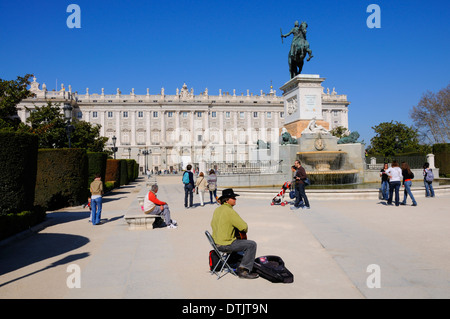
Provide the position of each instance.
(299, 46)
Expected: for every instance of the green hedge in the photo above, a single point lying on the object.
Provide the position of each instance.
(11, 224)
(18, 157)
(123, 172)
(131, 166)
(61, 178)
(442, 157)
(96, 165)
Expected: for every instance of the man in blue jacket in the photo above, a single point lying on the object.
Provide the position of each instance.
(188, 182)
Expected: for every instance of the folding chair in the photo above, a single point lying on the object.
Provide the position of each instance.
(223, 257)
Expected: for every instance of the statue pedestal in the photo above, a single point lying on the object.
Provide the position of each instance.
(303, 102)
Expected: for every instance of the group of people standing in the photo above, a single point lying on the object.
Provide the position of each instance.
(393, 177)
(201, 185)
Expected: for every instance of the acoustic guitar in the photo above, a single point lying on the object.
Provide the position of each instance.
(239, 234)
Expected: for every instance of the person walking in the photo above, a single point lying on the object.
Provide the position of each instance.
(96, 189)
(395, 176)
(428, 177)
(384, 182)
(212, 186)
(300, 194)
(188, 181)
(407, 183)
(201, 184)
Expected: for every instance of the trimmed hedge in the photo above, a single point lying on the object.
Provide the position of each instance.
(11, 224)
(131, 169)
(18, 157)
(442, 158)
(61, 178)
(113, 171)
(96, 165)
(123, 172)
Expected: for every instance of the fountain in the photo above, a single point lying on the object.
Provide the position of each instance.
(325, 161)
(328, 167)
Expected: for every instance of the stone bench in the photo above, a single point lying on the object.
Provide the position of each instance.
(140, 220)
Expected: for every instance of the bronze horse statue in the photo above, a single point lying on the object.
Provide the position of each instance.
(299, 48)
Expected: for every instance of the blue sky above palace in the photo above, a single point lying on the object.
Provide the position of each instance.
(234, 45)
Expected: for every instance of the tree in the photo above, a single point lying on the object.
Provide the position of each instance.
(48, 123)
(432, 116)
(11, 93)
(394, 138)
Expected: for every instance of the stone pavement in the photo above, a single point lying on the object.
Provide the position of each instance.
(328, 249)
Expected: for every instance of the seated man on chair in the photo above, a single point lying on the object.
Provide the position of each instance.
(153, 206)
(225, 220)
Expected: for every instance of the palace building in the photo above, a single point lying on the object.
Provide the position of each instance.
(173, 130)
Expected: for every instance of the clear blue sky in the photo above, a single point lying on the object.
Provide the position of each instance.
(234, 45)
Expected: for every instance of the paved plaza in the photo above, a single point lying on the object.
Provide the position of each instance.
(331, 249)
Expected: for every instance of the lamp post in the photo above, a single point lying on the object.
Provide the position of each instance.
(68, 117)
(114, 148)
(129, 153)
(145, 153)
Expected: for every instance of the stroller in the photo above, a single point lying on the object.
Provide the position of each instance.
(279, 198)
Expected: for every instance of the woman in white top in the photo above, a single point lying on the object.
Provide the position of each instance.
(395, 176)
(201, 184)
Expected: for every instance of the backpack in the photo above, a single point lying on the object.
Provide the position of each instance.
(211, 187)
(429, 176)
(186, 178)
(272, 268)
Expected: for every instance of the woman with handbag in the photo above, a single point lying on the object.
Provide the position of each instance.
(201, 185)
(212, 186)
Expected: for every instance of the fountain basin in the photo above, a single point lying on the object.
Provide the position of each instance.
(328, 167)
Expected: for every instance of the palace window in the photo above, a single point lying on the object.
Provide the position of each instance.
(155, 114)
(227, 115)
(213, 114)
(94, 114)
(125, 114)
(140, 114)
(110, 114)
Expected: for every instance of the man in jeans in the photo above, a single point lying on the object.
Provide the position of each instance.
(300, 176)
(96, 189)
(224, 222)
(189, 187)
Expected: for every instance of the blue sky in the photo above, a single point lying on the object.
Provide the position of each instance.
(234, 45)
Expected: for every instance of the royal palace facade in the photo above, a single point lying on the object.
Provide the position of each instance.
(175, 129)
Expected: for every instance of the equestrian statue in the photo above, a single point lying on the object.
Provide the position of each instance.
(299, 48)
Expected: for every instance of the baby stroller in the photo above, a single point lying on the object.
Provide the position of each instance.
(279, 198)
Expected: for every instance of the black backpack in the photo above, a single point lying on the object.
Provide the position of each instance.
(272, 268)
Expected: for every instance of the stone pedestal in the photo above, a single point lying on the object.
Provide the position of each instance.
(303, 102)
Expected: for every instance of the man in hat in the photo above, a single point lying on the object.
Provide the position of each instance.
(225, 220)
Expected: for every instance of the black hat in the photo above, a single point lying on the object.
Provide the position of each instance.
(227, 193)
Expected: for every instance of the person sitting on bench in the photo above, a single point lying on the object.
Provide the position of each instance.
(153, 206)
(224, 222)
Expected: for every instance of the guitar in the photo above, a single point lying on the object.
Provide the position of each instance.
(239, 234)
